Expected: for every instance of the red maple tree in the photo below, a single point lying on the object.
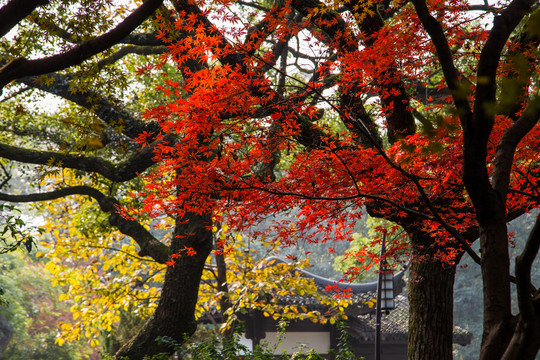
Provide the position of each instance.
(396, 108)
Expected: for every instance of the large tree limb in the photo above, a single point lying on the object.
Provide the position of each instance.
(399, 118)
(128, 170)
(16, 10)
(523, 266)
(477, 128)
(503, 25)
(336, 30)
(444, 54)
(309, 136)
(149, 245)
(525, 341)
(93, 101)
(339, 35)
(504, 157)
(21, 67)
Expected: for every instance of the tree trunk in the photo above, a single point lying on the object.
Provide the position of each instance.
(498, 321)
(509, 337)
(174, 316)
(431, 301)
(525, 342)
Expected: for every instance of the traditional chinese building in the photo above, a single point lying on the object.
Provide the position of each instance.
(323, 338)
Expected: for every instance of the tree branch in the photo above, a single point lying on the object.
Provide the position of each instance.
(149, 245)
(52, 27)
(515, 87)
(142, 39)
(93, 101)
(131, 49)
(21, 67)
(504, 155)
(16, 10)
(486, 87)
(128, 170)
(444, 54)
(413, 178)
(523, 272)
(358, 195)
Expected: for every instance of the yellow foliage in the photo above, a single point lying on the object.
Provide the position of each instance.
(360, 9)
(254, 284)
(98, 267)
(103, 275)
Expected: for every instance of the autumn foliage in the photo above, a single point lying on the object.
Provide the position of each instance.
(337, 109)
(251, 146)
(421, 113)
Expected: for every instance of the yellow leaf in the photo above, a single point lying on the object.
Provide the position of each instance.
(94, 143)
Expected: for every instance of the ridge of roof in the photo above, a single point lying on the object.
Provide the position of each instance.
(355, 288)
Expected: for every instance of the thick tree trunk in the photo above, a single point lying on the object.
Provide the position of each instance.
(518, 337)
(498, 321)
(431, 301)
(174, 316)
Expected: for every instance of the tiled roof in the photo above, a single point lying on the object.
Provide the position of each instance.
(361, 316)
(394, 325)
(360, 293)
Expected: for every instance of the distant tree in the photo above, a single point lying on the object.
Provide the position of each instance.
(33, 311)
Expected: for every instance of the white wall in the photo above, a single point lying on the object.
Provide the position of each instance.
(295, 341)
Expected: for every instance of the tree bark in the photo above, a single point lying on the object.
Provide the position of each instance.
(174, 316)
(21, 67)
(431, 304)
(525, 341)
(16, 10)
(498, 325)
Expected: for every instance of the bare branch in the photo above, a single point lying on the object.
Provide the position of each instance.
(358, 195)
(482, 7)
(132, 49)
(142, 39)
